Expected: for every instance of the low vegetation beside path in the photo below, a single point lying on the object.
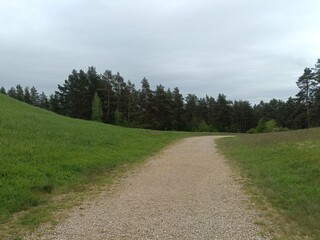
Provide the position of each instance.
(285, 168)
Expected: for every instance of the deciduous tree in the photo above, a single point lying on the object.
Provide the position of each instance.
(96, 109)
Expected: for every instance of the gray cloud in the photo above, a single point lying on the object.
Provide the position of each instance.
(252, 50)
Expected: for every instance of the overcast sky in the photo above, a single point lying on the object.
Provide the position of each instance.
(247, 49)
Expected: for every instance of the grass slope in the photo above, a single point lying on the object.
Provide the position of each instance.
(286, 167)
(42, 153)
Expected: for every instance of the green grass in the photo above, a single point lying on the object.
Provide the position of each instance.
(44, 154)
(285, 167)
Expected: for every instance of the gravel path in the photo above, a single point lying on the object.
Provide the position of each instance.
(186, 192)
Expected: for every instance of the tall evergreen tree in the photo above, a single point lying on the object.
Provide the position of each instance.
(19, 93)
(12, 92)
(191, 112)
(223, 114)
(290, 113)
(41, 101)
(307, 85)
(145, 105)
(316, 71)
(108, 96)
(161, 109)
(55, 104)
(132, 101)
(27, 96)
(281, 118)
(34, 96)
(177, 110)
(74, 95)
(82, 93)
(203, 110)
(269, 111)
(78, 99)
(211, 106)
(118, 86)
(60, 101)
(243, 116)
(94, 82)
(3, 90)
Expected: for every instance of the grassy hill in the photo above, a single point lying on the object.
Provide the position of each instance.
(285, 168)
(43, 153)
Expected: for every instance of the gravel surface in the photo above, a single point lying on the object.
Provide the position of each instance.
(186, 192)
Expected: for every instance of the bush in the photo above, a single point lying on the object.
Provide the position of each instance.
(252, 130)
(266, 127)
(270, 126)
(203, 127)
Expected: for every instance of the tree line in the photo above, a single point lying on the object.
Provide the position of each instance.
(110, 99)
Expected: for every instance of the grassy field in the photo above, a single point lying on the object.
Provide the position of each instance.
(285, 167)
(44, 154)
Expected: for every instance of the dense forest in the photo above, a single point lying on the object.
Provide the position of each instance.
(110, 99)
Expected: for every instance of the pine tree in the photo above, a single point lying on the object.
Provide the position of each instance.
(145, 105)
(242, 116)
(88, 90)
(55, 104)
(316, 71)
(3, 90)
(202, 111)
(223, 114)
(177, 110)
(74, 96)
(161, 109)
(290, 113)
(43, 101)
(19, 93)
(132, 101)
(211, 104)
(77, 87)
(27, 96)
(191, 112)
(94, 81)
(60, 100)
(307, 85)
(34, 96)
(118, 87)
(96, 109)
(108, 96)
(12, 93)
